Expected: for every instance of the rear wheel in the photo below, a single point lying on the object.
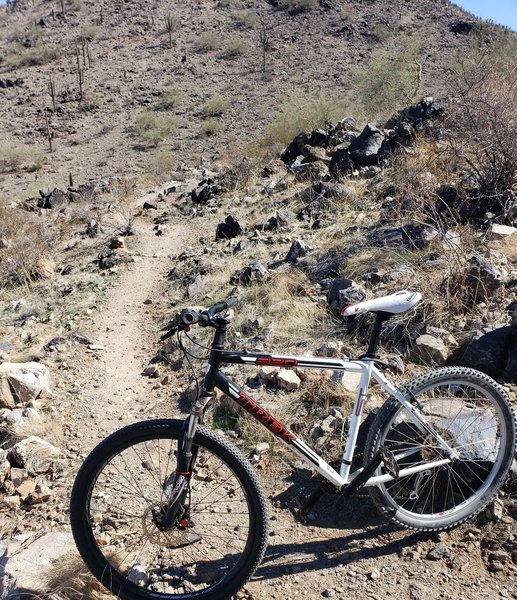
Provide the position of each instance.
(470, 411)
(217, 543)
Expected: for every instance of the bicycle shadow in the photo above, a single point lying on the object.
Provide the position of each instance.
(375, 538)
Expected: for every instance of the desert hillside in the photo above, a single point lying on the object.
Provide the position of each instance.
(300, 156)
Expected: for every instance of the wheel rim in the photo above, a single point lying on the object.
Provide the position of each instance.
(181, 562)
(469, 420)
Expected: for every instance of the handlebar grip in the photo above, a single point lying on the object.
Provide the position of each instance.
(217, 308)
(168, 334)
(189, 316)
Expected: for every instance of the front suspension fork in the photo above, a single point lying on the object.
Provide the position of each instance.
(177, 485)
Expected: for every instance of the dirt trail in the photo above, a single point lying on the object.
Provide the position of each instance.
(113, 389)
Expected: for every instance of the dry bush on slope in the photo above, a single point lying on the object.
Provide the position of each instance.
(484, 130)
(25, 242)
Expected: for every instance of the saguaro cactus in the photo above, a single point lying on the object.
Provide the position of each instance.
(52, 91)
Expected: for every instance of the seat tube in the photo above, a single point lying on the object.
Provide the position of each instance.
(355, 422)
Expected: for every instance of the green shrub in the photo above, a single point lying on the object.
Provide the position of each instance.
(150, 129)
(39, 55)
(211, 126)
(303, 112)
(215, 107)
(19, 157)
(391, 79)
(169, 99)
(161, 164)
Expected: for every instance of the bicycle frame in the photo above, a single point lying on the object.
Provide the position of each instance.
(214, 378)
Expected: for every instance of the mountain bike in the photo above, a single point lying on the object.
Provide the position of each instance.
(170, 509)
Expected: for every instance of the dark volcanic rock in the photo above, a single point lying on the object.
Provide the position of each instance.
(494, 352)
(366, 146)
(254, 272)
(230, 228)
(344, 292)
(205, 191)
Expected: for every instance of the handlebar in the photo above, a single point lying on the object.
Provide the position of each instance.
(189, 316)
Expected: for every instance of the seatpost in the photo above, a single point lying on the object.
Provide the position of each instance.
(380, 318)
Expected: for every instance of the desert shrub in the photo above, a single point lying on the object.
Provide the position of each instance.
(19, 157)
(211, 126)
(484, 128)
(215, 107)
(161, 164)
(39, 55)
(150, 129)
(235, 47)
(382, 32)
(91, 100)
(90, 32)
(298, 6)
(391, 79)
(245, 19)
(303, 112)
(24, 242)
(169, 99)
(209, 40)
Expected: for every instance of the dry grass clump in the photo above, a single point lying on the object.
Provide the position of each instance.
(170, 99)
(302, 112)
(211, 126)
(24, 243)
(71, 580)
(21, 157)
(299, 5)
(235, 47)
(208, 41)
(161, 164)
(38, 55)
(284, 303)
(150, 129)
(40, 424)
(215, 107)
(246, 19)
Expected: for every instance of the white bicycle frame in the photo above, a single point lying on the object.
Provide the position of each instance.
(367, 370)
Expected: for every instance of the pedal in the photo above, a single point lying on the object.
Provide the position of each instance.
(306, 507)
(390, 462)
(359, 481)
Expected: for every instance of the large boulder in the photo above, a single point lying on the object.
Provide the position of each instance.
(344, 292)
(27, 381)
(230, 228)
(34, 454)
(370, 147)
(430, 350)
(493, 351)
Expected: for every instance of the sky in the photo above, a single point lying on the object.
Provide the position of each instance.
(500, 11)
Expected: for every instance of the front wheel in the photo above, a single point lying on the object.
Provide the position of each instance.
(471, 412)
(211, 551)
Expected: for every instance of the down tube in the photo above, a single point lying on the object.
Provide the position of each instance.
(298, 446)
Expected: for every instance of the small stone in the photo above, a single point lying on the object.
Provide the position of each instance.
(262, 447)
(439, 552)
(288, 380)
(12, 501)
(96, 347)
(151, 371)
(34, 454)
(375, 574)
